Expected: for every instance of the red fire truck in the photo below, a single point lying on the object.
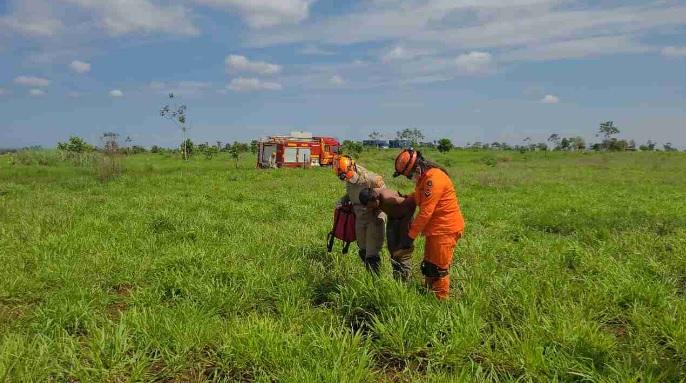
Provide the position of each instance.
(296, 150)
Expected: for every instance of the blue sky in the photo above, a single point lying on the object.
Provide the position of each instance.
(469, 70)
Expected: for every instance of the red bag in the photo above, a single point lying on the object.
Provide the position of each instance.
(343, 227)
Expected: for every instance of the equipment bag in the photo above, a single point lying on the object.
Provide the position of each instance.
(343, 227)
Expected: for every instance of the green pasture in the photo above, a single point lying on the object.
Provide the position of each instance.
(572, 268)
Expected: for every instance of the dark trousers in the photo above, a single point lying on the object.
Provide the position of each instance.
(400, 245)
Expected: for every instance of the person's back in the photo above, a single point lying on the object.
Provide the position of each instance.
(442, 215)
(395, 205)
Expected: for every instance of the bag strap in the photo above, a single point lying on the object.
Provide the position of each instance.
(330, 237)
(329, 242)
(345, 230)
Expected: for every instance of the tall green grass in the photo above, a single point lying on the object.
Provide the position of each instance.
(573, 267)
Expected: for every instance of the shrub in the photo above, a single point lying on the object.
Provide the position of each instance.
(186, 148)
(75, 145)
(79, 159)
(210, 152)
(351, 148)
(34, 157)
(108, 167)
(489, 161)
(444, 145)
(135, 149)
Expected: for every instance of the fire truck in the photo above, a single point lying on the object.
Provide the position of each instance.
(298, 149)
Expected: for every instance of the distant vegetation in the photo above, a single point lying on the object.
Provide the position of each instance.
(75, 147)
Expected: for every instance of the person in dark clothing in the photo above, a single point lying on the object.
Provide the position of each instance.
(399, 211)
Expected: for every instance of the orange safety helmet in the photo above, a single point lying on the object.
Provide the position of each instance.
(344, 167)
(405, 162)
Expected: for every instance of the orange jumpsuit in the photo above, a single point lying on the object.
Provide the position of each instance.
(441, 222)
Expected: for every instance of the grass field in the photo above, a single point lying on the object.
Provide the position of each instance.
(572, 268)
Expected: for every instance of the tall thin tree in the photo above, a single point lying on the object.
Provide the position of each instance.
(177, 114)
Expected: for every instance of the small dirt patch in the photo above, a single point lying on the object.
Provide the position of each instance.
(123, 289)
(114, 310)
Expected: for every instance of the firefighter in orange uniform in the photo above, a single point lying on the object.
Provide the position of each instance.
(439, 217)
(369, 224)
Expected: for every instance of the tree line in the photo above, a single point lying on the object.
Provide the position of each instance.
(607, 132)
(111, 143)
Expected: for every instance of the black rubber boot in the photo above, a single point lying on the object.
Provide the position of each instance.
(401, 260)
(363, 255)
(373, 264)
(399, 271)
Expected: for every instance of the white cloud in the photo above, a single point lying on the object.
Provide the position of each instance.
(337, 80)
(80, 66)
(243, 84)
(37, 92)
(116, 93)
(453, 26)
(47, 18)
(577, 48)
(158, 86)
(33, 18)
(396, 53)
(550, 99)
(265, 13)
(31, 81)
(475, 63)
(181, 88)
(38, 27)
(119, 17)
(674, 51)
(314, 50)
(237, 63)
(74, 94)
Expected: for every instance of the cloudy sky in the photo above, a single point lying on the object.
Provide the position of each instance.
(470, 70)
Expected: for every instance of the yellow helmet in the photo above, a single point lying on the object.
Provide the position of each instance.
(344, 167)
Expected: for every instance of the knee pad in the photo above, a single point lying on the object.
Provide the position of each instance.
(432, 271)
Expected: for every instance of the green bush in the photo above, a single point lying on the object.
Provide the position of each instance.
(35, 157)
(351, 148)
(444, 145)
